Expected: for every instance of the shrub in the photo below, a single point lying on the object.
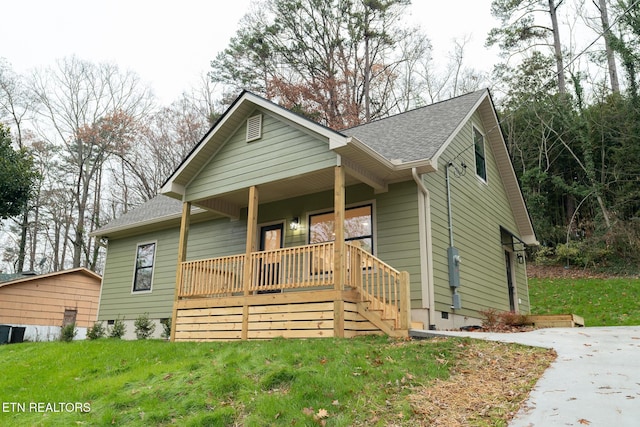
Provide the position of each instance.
(96, 331)
(166, 328)
(118, 329)
(544, 255)
(501, 320)
(144, 326)
(510, 318)
(490, 318)
(68, 332)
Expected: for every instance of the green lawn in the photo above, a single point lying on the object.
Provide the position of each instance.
(280, 382)
(367, 381)
(601, 302)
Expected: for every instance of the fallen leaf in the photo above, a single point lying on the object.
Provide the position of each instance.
(335, 403)
(322, 413)
(308, 411)
(583, 421)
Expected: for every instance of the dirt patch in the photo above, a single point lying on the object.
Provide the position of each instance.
(488, 385)
(561, 272)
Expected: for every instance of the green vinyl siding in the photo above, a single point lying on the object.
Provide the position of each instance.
(206, 240)
(117, 300)
(479, 209)
(398, 233)
(284, 151)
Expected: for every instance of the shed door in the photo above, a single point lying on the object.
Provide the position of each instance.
(69, 317)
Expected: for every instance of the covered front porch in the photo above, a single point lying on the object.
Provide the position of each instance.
(291, 293)
(330, 289)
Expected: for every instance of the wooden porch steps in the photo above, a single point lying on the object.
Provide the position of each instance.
(374, 316)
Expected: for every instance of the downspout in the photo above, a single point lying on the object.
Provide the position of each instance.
(426, 254)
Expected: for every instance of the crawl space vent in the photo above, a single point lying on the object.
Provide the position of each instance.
(254, 128)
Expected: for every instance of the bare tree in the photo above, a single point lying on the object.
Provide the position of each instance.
(16, 103)
(162, 142)
(78, 101)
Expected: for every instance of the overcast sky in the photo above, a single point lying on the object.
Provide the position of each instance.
(170, 44)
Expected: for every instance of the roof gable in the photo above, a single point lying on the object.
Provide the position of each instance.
(283, 151)
(234, 118)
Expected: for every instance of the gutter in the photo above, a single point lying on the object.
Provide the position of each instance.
(426, 253)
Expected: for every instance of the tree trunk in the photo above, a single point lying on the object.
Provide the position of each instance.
(367, 77)
(611, 61)
(22, 245)
(557, 47)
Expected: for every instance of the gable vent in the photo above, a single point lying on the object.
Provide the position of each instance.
(254, 128)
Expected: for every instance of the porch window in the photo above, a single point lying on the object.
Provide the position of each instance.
(481, 164)
(358, 227)
(143, 274)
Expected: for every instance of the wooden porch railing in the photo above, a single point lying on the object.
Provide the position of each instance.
(381, 286)
(212, 277)
(298, 267)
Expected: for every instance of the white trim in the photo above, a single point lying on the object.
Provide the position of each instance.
(426, 248)
(153, 268)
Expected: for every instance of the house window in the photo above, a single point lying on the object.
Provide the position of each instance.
(481, 163)
(358, 227)
(143, 274)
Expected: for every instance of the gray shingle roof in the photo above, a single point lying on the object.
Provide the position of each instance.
(417, 134)
(156, 208)
(413, 135)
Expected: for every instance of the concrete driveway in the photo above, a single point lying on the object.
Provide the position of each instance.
(594, 381)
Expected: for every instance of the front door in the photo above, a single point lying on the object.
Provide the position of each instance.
(271, 238)
(512, 295)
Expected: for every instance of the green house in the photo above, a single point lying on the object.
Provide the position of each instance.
(277, 226)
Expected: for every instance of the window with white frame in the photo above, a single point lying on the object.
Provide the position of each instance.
(143, 272)
(358, 227)
(481, 163)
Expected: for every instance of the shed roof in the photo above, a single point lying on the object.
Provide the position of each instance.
(28, 278)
